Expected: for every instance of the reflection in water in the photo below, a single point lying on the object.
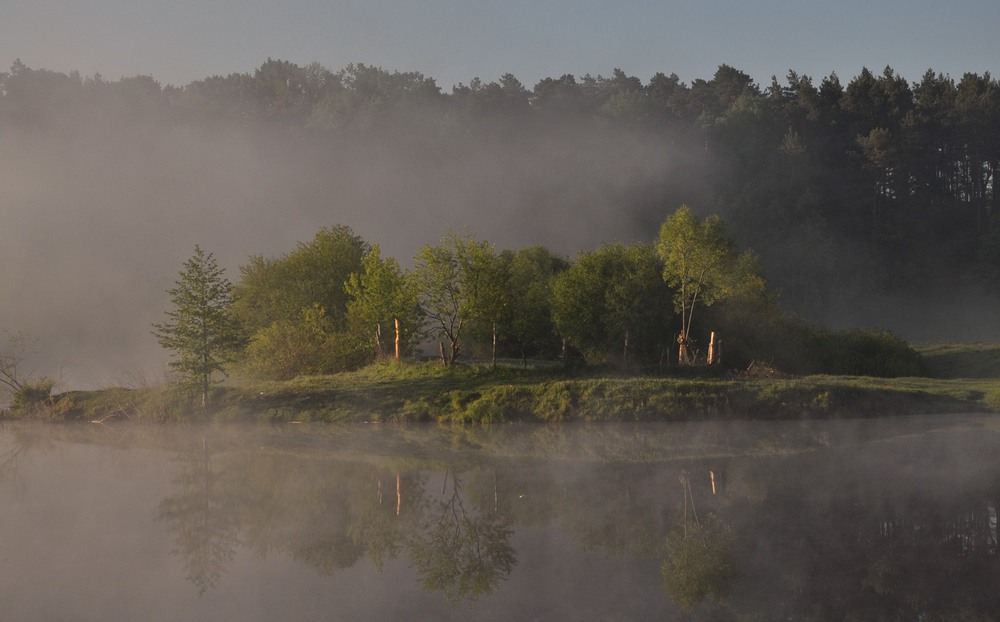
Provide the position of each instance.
(837, 520)
(203, 517)
(699, 562)
(461, 552)
(9, 475)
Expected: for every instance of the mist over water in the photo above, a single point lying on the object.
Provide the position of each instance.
(835, 519)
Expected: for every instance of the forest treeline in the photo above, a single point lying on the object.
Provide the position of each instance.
(845, 191)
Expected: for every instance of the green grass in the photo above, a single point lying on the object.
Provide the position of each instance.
(979, 360)
(961, 379)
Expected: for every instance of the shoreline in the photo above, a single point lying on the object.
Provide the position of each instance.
(476, 395)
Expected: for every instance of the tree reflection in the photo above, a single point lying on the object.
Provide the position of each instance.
(898, 534)
(378, 523)
(699, 562)
(203, 516)
(460, 552)
(906, 533)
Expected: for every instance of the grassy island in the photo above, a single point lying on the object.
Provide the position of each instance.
(959, 378)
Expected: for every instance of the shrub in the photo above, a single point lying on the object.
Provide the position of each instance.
(305, 345)
(864, 353)
(32, 394)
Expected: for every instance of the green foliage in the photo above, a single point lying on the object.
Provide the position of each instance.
(556, 402)
(461, 552)
(392, 391)
(699, 564)
(753, 328)
(842, 188)
(527, 318)
(308, 344)
(293, 308)
(701, 264)
(378, 296)
(458, 281)
(486, 279)
(864, 353)
(612, 304)
(32, 394)
(201, 329)
(437, 278)
(953, 360)
(270, 290)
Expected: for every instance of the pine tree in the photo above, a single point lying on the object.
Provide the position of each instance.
(201, 330)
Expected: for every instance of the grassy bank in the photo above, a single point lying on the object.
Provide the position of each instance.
(965, 379)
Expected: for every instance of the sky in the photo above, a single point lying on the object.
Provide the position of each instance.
(451, 41)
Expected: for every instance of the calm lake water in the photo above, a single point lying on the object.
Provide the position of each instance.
(890, 519)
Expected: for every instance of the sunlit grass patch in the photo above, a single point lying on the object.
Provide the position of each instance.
(480, 393)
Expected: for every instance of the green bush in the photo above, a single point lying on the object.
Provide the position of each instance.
(307, 345)
(863, 353)
(32, 394)
(755, 329)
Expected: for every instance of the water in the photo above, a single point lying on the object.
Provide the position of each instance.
(892, 518)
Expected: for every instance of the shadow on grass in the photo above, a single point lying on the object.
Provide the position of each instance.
(977, 361)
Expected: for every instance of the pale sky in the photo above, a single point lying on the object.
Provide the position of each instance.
(180, 41)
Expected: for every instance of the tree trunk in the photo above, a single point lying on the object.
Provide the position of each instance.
(396, 323)
(444, 358)
(494, 345)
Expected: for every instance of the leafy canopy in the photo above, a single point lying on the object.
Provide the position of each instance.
(379, 295)
(701, 263)
(457, 281)
(613, 301)
(314, 273)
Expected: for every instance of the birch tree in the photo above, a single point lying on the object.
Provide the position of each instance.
(701, 263)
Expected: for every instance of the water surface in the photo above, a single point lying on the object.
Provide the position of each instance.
(893, 518)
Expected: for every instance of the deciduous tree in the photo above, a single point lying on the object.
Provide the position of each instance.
(455, 282)
(272, 289)
(701, 263)
(612, 304)
(380, 298)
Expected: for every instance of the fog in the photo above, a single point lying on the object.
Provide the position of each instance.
(99, 216)
(776, 520)
(107, 188)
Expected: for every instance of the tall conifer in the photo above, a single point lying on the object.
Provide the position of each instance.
(200, 329)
